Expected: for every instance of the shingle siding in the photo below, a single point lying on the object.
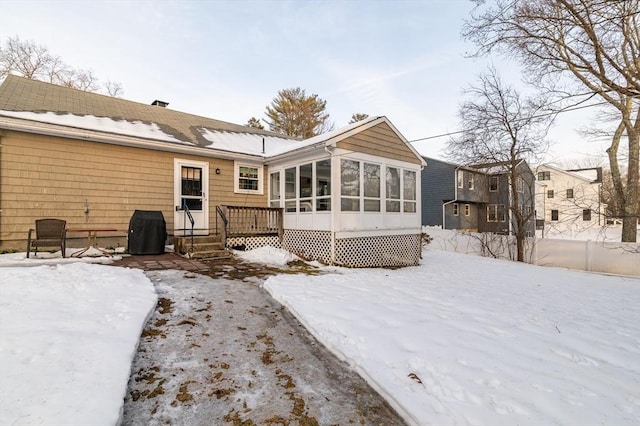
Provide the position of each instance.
(438, 187)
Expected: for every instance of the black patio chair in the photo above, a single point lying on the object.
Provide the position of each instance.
(48, 233)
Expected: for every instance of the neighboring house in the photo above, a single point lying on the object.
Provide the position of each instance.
(475, 198)
(348, 197)
(568, 201)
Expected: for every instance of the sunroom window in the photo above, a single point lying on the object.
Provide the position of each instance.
(323, 185)
(371, 187)
(409, 191)
(393, 189)
(305, 187)
(350, 186)
(290, 190)
(274, 189)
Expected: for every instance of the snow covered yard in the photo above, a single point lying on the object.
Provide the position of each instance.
(457, 340)
(469, 340)
(68, 334)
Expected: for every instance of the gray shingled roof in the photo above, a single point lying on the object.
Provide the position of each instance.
(23, 94)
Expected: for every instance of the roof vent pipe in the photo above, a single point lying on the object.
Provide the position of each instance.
(162, 104)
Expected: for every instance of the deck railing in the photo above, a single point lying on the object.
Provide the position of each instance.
(242, 221)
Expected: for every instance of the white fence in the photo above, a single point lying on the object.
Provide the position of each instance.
(593, 256)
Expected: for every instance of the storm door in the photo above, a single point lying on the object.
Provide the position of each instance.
(191, 186)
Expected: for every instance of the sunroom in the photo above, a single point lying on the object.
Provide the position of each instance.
(350, 197)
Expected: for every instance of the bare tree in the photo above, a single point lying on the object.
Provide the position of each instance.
(293, 113)
(27, 59)
(113, 89)
(500, 126)
(577, 50)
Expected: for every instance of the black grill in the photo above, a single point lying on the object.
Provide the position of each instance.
(147, 232)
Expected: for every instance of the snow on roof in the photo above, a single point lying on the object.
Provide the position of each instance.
(103, 124)
(223, 140)
(249, 143)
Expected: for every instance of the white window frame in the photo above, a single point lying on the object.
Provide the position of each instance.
(275, 202)
(460, 178)
(236, 178)
(498, 210)
(471, 182)
(366, 198)
(456, 209)
(409, 201)
(467, 209)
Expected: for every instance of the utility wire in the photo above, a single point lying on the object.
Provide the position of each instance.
(535, 116)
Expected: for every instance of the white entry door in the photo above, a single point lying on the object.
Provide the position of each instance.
(191, 188)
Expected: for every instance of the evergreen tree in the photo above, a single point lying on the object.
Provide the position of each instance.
(358, 116)
(295, 114)
(255, 123)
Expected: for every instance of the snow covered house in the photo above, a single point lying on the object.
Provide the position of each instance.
(348, 197)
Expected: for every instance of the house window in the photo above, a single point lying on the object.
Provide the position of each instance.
(409, 191)
(467, 209)
(554, 214)
(393, 190)
(248, 179)
(274, 189)
(570, 193)
(519, 184)
(290, 190)
(470, 184)
(495, 213)
(460, 179)
(586, 215)
(371, 187)
(350, 186)
(191, 181)
(305, 187)
(493, 183)
(550, 193)
(544, 175)
(323, 185)
(456, 208)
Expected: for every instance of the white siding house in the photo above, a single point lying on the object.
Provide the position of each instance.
(568, 201)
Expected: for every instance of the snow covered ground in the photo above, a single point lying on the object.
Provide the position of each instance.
(68, 334)
(466, 340)
(457, 340)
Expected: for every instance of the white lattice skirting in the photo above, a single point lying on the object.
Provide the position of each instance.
(362, 252)
(379, 251)
(250, 243)
(310, 245)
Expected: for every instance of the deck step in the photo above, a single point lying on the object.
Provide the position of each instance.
(201, 247)
(210, 254)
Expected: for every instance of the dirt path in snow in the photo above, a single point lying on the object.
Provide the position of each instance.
(222, 351)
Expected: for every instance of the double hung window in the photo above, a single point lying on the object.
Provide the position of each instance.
(248, 178)
(495, 213)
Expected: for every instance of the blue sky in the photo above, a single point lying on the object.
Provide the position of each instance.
(228, 59)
